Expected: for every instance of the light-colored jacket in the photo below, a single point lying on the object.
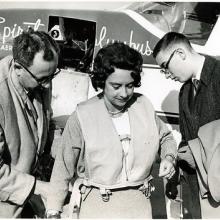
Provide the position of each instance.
(23, 131)
(206, 151)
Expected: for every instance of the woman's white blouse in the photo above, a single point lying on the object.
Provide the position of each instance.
(122, 126)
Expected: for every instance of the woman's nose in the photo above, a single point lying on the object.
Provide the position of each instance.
(123, 92)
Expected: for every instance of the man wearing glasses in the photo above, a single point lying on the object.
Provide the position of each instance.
(199, 104)
(25, 110)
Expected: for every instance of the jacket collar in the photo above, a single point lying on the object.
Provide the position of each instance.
(16, 84)
(207, 70)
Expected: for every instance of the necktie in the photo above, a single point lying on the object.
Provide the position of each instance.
(196, 84)
(31, 96)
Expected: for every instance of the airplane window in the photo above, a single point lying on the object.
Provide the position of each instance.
(153, 12)
(76, 39)
(200, 21)
(194, 19)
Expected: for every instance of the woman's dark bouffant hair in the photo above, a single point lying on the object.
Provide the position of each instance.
(116, 55)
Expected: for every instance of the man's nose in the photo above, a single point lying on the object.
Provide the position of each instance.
(47, 85)
(168, 75)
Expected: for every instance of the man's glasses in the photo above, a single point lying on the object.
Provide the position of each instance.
(42, 80)
(164, 67)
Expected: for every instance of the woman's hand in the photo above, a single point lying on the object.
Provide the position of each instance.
(167, 168)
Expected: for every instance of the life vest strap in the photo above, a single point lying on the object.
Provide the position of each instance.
(105, 194)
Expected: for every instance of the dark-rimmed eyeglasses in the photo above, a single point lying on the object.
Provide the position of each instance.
(42, 80)
(165, 65)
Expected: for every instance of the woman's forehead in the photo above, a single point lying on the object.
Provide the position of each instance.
(120, 75)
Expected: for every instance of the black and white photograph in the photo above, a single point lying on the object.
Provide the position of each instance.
(109, 109)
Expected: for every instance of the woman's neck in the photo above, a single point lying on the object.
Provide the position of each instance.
(111, 108)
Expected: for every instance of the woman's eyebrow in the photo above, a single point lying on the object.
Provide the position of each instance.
(115, 83)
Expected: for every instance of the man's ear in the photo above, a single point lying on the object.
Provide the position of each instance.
(181, 52)
(18, 68)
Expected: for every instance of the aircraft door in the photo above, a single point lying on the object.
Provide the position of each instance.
(76, 39)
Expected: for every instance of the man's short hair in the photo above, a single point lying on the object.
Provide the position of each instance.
(30, 42)
(170, 39)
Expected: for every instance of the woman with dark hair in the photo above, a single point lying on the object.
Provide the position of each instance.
(110, 143)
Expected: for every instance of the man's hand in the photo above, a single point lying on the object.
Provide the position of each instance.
(184, 153)
(167, 168)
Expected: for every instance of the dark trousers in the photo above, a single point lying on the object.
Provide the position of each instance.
(190, 193)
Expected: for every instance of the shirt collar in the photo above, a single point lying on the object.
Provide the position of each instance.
(199, 71)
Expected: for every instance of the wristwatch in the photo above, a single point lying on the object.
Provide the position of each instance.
(171, 156)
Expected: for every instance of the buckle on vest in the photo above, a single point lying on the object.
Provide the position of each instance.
(105, 194)
(147, 188)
